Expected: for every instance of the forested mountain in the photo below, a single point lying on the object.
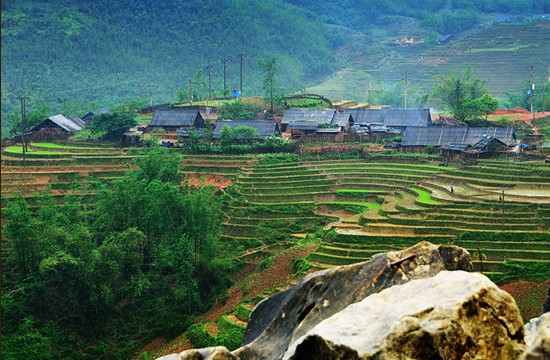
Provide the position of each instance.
(77, 55)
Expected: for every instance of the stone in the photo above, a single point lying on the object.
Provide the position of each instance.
(283, 318)
(537, 338)
(211, 353)
(452, 315)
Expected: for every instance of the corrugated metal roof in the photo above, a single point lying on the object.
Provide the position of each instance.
(446, 135)
(76, 120)
(456, 147)
(329, 130)
(303, 126)
(174, 117)
(311, 116)
(391, 117)
(65, 123)
(341, 119)
(264, 128)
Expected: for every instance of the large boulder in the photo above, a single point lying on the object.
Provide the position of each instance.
(537, 338)
(211, 353)
(287, 316)
(453, 315)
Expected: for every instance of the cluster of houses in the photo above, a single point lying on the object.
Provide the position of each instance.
(414, 128)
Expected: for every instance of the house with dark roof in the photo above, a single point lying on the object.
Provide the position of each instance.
(57, 127)
(176, 119)
(307, 122)
(459, 139)
(88, 117)
(264, 128)
(392, 120)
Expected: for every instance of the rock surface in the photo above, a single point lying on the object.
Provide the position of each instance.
(285, 317)
(537, 338)
(211, 353)
(453, 315)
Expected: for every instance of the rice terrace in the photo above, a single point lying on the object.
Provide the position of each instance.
(288, 214)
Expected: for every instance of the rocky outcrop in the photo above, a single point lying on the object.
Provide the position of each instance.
(285, 317)
(420, 303)
(537, 338)
(453, 315)
(211, 353)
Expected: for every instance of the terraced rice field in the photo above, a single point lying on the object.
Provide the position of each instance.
(498, 209)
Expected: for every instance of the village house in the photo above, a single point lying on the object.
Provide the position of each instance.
(393, 121)
(176, 122)
(455, 141)
(264, 128)
(88, 117)
(297, 123)
(56, 127)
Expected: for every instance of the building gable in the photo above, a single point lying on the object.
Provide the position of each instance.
(176, 118)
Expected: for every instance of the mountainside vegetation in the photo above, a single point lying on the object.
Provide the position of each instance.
(78, 56)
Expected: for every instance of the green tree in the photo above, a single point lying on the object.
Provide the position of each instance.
(112, 126)
(238, 110)
(35, 116)
(273, 92)
(227, 136)
(464, 95)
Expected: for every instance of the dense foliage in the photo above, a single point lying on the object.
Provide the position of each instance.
(89, 283)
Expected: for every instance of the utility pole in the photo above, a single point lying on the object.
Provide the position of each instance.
(140, 86)
(531, 91)
(370, 86)
(241, 61)
(209, 70)
(224, 62)
(23, 127)
(406, 83)
(190, 91)
(150, 87)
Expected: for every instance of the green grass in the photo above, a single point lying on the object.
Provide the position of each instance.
(60, 146)
(425, 197)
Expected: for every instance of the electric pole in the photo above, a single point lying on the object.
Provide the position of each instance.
(531, 91)
(224, 62)
(241, 61)
(23, 127)
(406, 83)
(150, 87)
(209, 70)
(190, 91)
(370, 86)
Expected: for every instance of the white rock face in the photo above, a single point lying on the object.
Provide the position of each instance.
(537, 338)
(453, 315)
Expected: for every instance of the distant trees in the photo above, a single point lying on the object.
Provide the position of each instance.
(239, 134)
(112, 126)
(464, 95)
(239, 110)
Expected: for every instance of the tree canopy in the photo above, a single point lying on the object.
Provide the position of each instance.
(464, 95)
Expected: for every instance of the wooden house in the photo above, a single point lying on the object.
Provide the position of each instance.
(57, 127)
(393, 120)
(315, 122)
(172, 120)
(264, 128)
(88, 117)
(458, 139)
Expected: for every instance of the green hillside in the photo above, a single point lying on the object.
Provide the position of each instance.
(76, 56)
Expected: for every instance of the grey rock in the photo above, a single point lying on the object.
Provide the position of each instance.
(453, 315)
(211, 353)
(537, 338)
(281, 319)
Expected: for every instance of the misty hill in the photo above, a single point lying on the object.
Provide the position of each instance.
(77, 55)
